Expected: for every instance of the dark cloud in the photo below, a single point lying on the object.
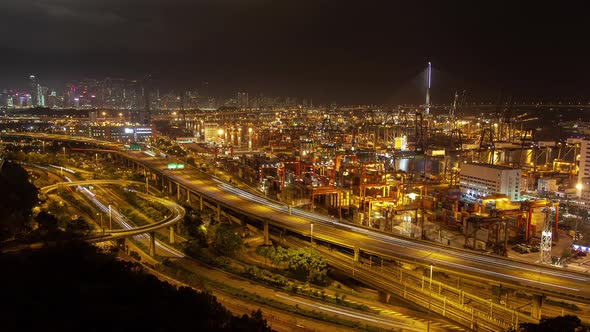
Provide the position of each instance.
(353, 50)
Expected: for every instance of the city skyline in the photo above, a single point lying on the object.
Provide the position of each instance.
(346, 52)
(133, 94)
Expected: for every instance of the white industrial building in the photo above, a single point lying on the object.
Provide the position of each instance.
(481, 180)
(583, 185)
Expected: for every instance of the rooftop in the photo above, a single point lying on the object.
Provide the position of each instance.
(499, 167)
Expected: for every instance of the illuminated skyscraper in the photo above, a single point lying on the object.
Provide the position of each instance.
(242, 99)
(38, 99)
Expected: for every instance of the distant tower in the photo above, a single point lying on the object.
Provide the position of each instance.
(145, 114)
(36, 92)
(427, 105)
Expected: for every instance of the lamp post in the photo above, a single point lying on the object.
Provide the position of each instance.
(430, 294)
(101, 226)
(311, 232)
(110, 218)
(250, 139)
(579, 187)
(220, 136)
(430, 283)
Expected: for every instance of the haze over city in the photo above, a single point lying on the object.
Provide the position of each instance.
(349, 52)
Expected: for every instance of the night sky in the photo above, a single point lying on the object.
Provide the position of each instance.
(344, 51)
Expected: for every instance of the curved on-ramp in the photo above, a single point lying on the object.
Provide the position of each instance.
(178, 212)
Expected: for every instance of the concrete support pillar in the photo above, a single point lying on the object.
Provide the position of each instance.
(178, 192)
(172, 235)
(266, 236)
(152, 246)
(188, 196)
(356, 253)
(201, 203)
(169, 186)
(537, 305)
(218, 213)
(385, 297)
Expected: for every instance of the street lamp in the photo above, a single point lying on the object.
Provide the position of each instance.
(579, 187)
(311, 232)
(101, 226)
(110, 218)
(430, 295)
(220, 135)
(430, 285)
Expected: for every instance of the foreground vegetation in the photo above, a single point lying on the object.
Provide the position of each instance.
(76, 287)
(73, 286)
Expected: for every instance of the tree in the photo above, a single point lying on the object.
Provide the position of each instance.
(135, 176)
(255, 322)
(63, 277)
(58, 209)
(304, 263)
(566, 323)
(307, 261)
(192, 226)
(190, 161)
(79, 226)
(48, 223)
(227, 241)
(17, 198)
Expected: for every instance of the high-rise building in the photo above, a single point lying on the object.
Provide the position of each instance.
(37, 96)
(93, 116)
(145, 113)
(242, 99)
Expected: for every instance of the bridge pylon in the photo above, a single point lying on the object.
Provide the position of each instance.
(172, 235)
(152, 249)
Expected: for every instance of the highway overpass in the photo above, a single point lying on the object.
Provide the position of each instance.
(178, 213)
(200, 189)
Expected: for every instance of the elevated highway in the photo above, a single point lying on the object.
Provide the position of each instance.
(178, 213)
(536, 278)
(193, 184)
(201, 189)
